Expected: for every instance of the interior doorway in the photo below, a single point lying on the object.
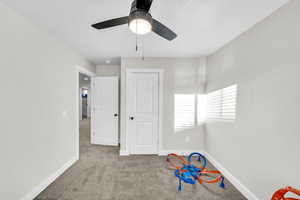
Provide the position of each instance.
(83, 114)
(84, 96)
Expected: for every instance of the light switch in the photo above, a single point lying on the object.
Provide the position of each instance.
(64, 113)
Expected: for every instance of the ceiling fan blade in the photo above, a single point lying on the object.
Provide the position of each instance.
(162, 30)
(111, 23)
(144, 4)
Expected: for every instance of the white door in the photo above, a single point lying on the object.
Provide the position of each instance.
(105, 111)
(142, 112)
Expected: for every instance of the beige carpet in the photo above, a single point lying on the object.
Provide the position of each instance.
(101, 174)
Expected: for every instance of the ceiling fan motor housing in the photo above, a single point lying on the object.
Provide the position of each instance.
(140, 15)
(136, 13)
(141, 5)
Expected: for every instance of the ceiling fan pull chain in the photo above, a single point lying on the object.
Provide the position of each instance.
(136, 38)
(136, 48)
(136, 45)
(143, 48)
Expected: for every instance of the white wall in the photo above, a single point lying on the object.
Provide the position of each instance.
(108, 70)
(38, 116)
(180, 76)
(262, 148)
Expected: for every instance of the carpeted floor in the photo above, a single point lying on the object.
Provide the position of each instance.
(101, 174)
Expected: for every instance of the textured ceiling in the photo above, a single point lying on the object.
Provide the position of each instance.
(203, 26)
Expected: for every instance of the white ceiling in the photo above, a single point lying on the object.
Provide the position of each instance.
(203, 26)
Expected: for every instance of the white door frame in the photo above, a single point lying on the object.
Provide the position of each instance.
(160, 102)
(79, 69)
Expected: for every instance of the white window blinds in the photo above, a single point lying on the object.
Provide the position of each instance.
(184, 111)
(229, 102)
(214, 109)
(221, 104)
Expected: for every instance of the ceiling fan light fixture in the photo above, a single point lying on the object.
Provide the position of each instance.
(140, 26)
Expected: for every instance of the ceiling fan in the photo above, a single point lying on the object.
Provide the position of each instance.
(139, 21)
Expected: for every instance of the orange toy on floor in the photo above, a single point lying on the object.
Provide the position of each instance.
(279, 194)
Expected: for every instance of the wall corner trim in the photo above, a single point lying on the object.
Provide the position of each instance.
(44, 184)
(242, 188)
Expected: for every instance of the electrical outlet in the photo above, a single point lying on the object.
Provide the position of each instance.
(187, 139)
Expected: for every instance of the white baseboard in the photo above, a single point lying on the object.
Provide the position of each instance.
(178, 152)
(43, 185)
(166, 152)
(124, 153)
(242, 188)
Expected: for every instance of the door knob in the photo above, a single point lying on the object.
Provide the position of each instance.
(131, 118)
(116, 115)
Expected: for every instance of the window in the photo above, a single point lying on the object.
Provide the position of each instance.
(192, 110)
(221, 104)
(229, 102)
(214, 105)
(184, 111)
